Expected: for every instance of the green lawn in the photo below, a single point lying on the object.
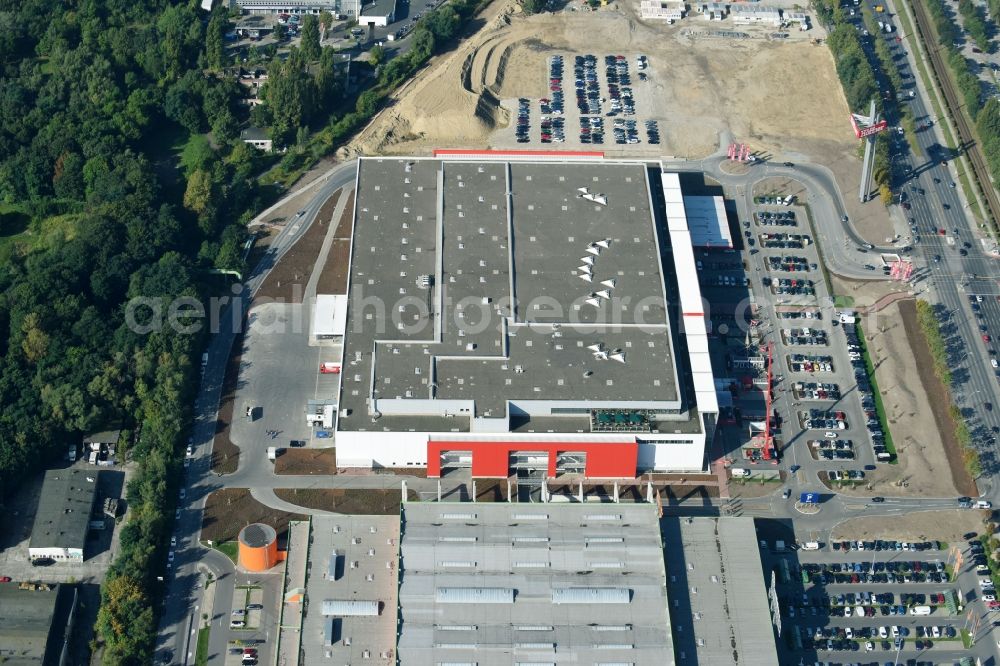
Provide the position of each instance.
(843, 301)
(876, 394)
(201, 656)
(230, 549)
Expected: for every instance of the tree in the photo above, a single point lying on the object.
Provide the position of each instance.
(215, 38)
(376, 55)
(198, 195)
(310, 37)
(325, 20)
(532, 6)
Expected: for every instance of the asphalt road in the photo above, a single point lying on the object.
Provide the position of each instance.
(185, 587)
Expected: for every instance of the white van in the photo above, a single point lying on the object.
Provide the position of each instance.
(920, 610)
(810, 545)
(740, 472)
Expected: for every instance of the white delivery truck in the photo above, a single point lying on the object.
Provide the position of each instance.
(272, 453)
(920, 610)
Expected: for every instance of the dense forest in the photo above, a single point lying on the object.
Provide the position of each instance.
(122, 176)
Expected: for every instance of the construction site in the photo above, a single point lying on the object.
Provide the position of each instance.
(703, 85)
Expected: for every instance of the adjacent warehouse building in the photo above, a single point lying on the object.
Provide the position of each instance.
(63, 517)
(35, 624)
(717, 581)
(531, 317)
(349, 8)
(497, 584)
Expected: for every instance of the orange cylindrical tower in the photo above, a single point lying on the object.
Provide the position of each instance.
(258, 547)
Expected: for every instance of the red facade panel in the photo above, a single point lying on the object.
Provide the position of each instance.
(614, 460)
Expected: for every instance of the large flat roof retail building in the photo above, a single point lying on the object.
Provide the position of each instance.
(511, 316)
(496, 584)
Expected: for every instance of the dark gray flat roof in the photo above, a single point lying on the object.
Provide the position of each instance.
(379, 8)
(64, 507)
(718, 558)
(505, 315)
(26, 621)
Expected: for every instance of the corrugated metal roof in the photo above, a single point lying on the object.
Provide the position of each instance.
(591, 595)
(474, 595)
(350, 608)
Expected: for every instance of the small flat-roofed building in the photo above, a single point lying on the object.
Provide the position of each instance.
(798, 17)
(543, 583)
(329, 320)
(103, 438)
(379, 14)
(662, 10)
(257, 138)
(523, 316)
(717, 578)
(35, 624)
(744, 13)
(714, 11)
(63, 516)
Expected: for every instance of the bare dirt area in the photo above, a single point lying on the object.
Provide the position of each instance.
(286, 282)
(225, 454)
(865, 294)
(306, 461)
(938, 398)
(333, 278)
(948, 525)
(749, 488)
(703, 90)
(346, 500)
(911, 400)
(229, 510)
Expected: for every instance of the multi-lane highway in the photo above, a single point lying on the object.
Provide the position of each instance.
(950, 259)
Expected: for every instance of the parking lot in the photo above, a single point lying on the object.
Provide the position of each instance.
(253, 621)
(823, 414)
(609, 104)
(879, 600)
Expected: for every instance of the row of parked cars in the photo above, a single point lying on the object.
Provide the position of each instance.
(832, 449)
(791, 286)
(806, 363)
(782, 218)
(847, 474)
(804, 336)
(652, 132)
(553, 129)
(879, 544)
(591, 130)
(790, 264)
(523, 120)
(785, 241)
(625, 131)
(588, 90)
(816, 391)
(872, 423)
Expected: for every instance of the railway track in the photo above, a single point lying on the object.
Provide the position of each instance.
(966, 134)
